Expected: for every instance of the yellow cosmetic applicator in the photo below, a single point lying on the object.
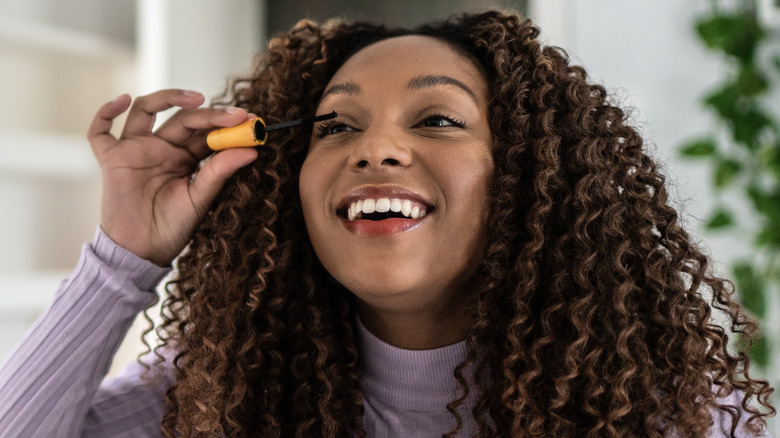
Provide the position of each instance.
(253, 132)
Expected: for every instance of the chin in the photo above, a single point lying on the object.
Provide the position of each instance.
(388, 293)
(381, 289)
(379, 275)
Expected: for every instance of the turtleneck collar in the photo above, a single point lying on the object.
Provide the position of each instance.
(420, 380)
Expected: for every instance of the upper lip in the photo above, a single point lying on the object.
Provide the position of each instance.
(376, 192)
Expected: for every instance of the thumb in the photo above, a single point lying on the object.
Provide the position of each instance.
(212, 176)
(99, 132)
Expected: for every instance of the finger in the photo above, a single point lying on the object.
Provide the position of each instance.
(99, 132)
(196, 144)
(140, 119)
(182, 125)
(212, 176)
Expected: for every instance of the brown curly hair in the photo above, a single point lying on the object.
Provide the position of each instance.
(594, 314)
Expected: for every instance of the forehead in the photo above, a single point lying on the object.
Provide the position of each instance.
(409, 55)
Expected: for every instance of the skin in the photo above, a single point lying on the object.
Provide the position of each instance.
(154, 196)
(432, 140)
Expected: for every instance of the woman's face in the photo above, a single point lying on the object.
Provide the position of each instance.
(394, 190)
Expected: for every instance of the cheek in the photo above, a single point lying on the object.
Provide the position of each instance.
(309, 185)
(475, 191)
(477, 205)
(314, 181)
(469, 181)
(304, 187)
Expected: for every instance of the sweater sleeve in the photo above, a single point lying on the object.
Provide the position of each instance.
(50, 384)
(722, 421)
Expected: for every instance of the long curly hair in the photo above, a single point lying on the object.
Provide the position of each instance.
(596, 315)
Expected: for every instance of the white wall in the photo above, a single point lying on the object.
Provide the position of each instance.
(197, 44)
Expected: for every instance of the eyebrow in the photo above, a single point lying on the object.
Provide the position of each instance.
(428, 81)
(416, 83)
(348, 88)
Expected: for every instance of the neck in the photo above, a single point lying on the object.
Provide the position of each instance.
(422, 329)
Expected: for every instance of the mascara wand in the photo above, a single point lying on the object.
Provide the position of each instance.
(254, 132)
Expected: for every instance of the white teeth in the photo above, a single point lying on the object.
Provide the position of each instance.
(369, 206)
(357, 209)
(382, 205)
(406, 207)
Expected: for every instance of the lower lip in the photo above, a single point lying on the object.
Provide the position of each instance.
(383, 228)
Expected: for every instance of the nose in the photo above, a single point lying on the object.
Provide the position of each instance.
(380, 149)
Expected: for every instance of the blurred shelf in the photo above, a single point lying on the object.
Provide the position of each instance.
(34, 154)
(36, 35)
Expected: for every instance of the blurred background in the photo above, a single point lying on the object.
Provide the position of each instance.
(62, 59)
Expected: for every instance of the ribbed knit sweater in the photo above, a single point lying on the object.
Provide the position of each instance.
(53, 384)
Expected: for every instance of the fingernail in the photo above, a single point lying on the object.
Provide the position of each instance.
(190, 93)
(233, 110)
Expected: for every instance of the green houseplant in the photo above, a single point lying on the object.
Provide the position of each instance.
(743, 151)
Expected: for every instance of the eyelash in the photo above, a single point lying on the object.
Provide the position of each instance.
(454, 121)
(325, 126)
(322, 130)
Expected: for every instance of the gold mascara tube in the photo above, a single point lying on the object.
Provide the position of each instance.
(253, 132)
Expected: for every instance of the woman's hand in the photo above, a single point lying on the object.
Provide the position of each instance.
(154, 193)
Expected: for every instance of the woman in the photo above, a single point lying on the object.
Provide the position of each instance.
(476, 246)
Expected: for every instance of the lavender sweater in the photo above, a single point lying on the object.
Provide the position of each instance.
(53, 385)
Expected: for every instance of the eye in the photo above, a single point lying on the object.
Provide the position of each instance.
(441, 121)
(330, 127)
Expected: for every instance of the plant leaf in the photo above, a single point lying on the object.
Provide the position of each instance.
(698, 148)
(767, 203)
(769, 235)
(726, 171)
(720, 219)
(751, 288)
(724, 101)
(748, 125)
(770, 158)
(760, 353)
(735, 34)
(751, 81)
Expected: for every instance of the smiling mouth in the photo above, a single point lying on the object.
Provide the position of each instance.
(377, 209)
